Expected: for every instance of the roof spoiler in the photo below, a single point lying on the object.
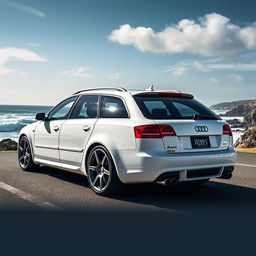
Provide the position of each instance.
(171, 94)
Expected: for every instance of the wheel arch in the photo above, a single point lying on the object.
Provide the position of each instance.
(23, 134)
(89, 149)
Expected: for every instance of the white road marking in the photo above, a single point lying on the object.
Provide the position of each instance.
(27, 196)
(248, 165)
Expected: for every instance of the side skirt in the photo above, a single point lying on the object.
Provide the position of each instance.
(66, 167)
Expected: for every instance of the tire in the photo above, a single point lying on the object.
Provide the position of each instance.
(101, 172)
(25, 157)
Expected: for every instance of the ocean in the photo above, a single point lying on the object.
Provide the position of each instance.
(15, 117)
(237, 132)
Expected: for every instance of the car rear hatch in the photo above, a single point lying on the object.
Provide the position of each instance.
(184, 124)
(195, 136)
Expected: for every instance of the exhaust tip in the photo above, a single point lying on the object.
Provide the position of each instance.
(227, 172)
(171, 181)
(168, 178)
(229, 175)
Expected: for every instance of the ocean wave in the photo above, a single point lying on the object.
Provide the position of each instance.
(23, 109)
(8, 111)
(15, 126)
(14, 117)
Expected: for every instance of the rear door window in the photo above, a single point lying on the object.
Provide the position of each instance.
(113, 107)
(86, 107)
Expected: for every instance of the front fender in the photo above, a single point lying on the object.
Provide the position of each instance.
(28, 131)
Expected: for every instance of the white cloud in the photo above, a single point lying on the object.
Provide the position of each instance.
(113, 76)
(8, 71)
(233, 66)
(213, 80)
(179, 71)
(25, 8)
(78, 72)
(211, 65)
(9, 54)
(200, 66)
(212, 35)
(236, 78)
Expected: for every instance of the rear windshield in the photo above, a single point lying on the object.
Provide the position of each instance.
(173, 108)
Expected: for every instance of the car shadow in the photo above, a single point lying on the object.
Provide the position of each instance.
(69, 176)
(214, 196)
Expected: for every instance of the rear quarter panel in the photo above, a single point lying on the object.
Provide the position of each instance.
(115, 133)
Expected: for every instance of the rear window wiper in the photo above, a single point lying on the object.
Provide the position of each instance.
(204, 117)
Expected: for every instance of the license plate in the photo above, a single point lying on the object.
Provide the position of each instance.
(200, 142)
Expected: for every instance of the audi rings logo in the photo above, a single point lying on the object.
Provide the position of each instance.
(201, 128)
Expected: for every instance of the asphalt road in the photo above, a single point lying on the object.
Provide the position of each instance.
(70, 190)
(54, 212)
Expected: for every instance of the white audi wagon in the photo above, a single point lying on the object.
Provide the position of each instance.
(116, 136)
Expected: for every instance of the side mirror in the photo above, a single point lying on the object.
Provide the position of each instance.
(40, 116)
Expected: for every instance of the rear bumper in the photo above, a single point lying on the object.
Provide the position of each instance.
(140, 167)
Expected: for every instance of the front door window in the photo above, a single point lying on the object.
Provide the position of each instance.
(62, 110)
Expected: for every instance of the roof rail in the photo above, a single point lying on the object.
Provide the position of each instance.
(120, 89)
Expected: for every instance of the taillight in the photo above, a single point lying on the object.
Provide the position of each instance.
(153, 131)
(166, 130)
(227, 130)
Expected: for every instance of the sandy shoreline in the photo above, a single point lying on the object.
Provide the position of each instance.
(8, 151)
(246, 150)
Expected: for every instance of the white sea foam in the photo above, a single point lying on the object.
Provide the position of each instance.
(239, 118)
(10, 123)
(236, 135)
(14, 118)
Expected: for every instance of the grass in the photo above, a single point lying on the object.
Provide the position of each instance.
(246, 150)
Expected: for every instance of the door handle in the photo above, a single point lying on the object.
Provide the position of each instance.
(56, 128)
(86, 128)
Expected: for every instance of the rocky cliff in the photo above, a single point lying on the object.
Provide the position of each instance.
(247, 109)
(242, 110)
(248, 139)
(230, 105)
(250, 117)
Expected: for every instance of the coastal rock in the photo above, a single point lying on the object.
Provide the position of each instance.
(230, 105)
(8, 144)
(233, 121)
(241, 110)
(236, 123)
(250, 117)
(248, 139)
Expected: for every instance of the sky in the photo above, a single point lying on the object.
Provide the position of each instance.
(50, 49)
